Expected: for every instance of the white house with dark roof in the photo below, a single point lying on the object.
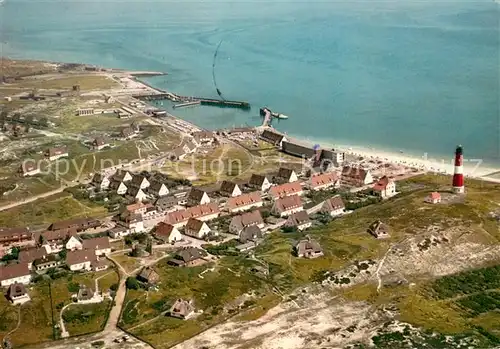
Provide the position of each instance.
(196, 228)
(118, 187)
(299, 220)
(14, 273)
(139, 181)
(80, 260)
(238, 223)
(158, 189)
(230, 189)
(308, 248)
(286, 175)
(197, 197)
(137, 194)
(17, 294)
(333, 206)
(100, 245)
(273, 137)
(287, 205)
(122, 176)
(259, 182)
(100, 181)
(100, 143)
(167, 233)
(73, 243)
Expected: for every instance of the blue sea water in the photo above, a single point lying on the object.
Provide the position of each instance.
(421, 76)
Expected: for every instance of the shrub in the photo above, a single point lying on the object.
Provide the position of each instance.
(132, 283)
(113, 287)
(73, 287)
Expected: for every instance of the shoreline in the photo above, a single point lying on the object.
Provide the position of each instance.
(428, 163)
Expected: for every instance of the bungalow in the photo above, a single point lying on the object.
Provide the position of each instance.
(385, 187)
(57, 153)
(251, 233)
(17, 294)
(127, 133)
(286, 175)
(54, 241)
(244, 202)
(356, 176)
(274, 138)
(158, 189)
(29, 168)
(299, 220)
(9, 236)
(99, 245)
(73, 244)
(118, 232)
(230, 189)
(238, 223)
(287, 205)
(149, 276)
(286, 189)
(196, 228)
(379, 230)
(202, 212)
(139, 181)
(136, 193)
(46, 262)
(181, 309)
(31, 254)
(188, 257)
(14, 273)
(333, 206)
(100, 143)
(133, 222)
(100, 181)
(259, 182)
(308, 248)
(197, 197)
(324, 181)
(118, 187)
(122, 176)
(177, 154)
(78, 224)
(203, 137)
(137, 208)
(433, 198)
(80, 260)
(166, 203)
(167, 233)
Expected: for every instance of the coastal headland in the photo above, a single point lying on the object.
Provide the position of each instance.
(124, 226)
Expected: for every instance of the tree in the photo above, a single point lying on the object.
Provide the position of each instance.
(132, 283)
(62, 254)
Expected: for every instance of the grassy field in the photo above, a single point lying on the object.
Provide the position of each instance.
(86, 318)
(66, 82)
(128, 263)
(344, 241)
(47, 299)
(214, 294)
(48, 210)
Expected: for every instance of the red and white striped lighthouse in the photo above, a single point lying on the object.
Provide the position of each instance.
(458, 175)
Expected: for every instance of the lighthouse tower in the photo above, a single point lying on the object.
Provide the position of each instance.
(458, 175)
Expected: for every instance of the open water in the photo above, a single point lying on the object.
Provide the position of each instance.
(418, 76)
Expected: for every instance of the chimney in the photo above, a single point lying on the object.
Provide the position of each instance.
(458, 175)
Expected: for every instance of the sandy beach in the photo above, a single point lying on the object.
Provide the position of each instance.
(473, 168)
